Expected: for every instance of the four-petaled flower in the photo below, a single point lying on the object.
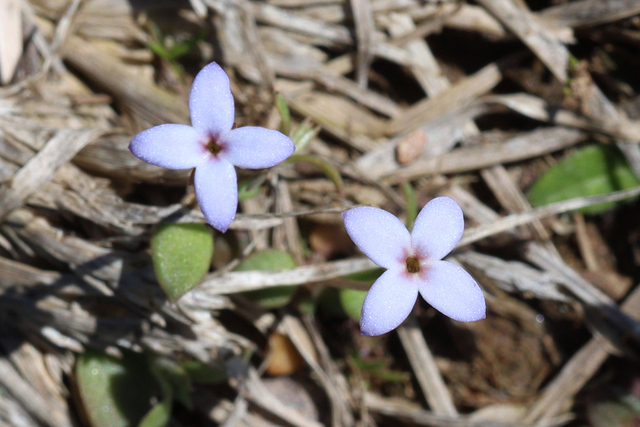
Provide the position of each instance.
(212, 147)
(413, 263)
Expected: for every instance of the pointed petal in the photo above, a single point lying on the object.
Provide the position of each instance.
(388, 303)
(453, 292)
(256, 147)
(217, 191)
(438, 228)
(169, 146)
(379, 234)
(211, 102)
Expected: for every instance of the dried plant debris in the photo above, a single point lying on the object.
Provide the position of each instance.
(524, 112)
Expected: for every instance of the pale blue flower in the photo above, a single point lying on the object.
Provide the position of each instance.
(413, 263)
(212, 146)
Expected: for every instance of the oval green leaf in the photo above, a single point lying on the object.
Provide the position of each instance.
(352, 300)
(159, 415)
(181, 256)
(590, 171)
(269, 260)
(114, 392)
(175, 381)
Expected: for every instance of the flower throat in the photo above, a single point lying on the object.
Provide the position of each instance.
(214, 147)
(413, 265)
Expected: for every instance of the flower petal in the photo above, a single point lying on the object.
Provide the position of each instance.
(169, 146)
(438, 228)
(388, 303)
(255, 147)
(453, 292)
(211, 102)
(379, 234)
(216, 187)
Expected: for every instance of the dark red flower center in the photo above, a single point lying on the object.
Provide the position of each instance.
(413, 265)
(213, 146)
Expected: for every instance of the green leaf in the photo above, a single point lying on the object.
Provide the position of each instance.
(352, 301)
(590, 171)
(283, 109)
(329, 170)
(248, 188)
(174, 379)
(159, 49)
(274, 297)
(269, 260)
(181, 256)
(203, 373)
(411, 202)
(160, 414)
(168, 48)
(175, 382)
(307, 305)
(182, 48)
(378, 369)
(114, 392)
(304, 134)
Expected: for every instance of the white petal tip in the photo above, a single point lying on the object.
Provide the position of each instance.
(479, 313)
(470, 308)
(378, 234)
(470, 319)
(373, 330)
(217, 192)
(453, 292)
(373, 326)
(211, 103)
(220, 224)
(254, 147)
(438, 227)
(169, 146)
(368, 333)
(388, 303)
